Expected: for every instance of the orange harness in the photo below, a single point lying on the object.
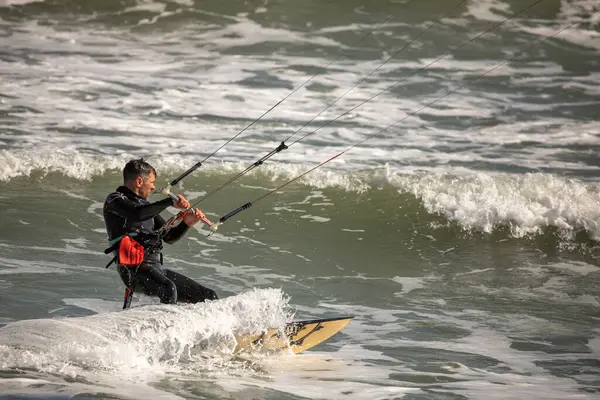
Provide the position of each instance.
(131, 253)
(128, 252)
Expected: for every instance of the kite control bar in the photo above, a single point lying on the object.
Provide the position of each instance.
(180, 215)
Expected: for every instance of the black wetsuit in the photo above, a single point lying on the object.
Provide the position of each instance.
(126, 212)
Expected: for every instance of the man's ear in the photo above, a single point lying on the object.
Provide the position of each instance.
(139, 181)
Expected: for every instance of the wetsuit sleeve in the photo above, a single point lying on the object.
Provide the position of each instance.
(175, 233)
(125, 208)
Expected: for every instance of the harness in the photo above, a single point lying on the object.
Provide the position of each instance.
(128, 252)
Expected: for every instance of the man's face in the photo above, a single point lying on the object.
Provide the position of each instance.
(145, 186)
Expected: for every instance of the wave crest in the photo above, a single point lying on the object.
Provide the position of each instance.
(527, 204)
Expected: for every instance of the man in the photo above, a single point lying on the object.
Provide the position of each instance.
(127, 212)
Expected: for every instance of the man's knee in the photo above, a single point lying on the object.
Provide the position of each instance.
(211, 295)
(168, 293)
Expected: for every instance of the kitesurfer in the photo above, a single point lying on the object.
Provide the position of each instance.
(133, 226)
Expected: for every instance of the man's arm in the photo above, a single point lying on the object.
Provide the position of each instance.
(125, 208)
(175, 233)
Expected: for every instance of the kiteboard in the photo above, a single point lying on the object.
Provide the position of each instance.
(295, 336)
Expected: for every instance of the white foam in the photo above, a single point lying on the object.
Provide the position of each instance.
(489, 10)
(409, 284)
(594, 344)
(147, 6)
(579, 36)
(8, 3)
(70, 163)
(73, 164)
(316, 218)
(526, 203)
(141, 342)
(577, 267)
(77, 242)
(585, 11)
(576, 9)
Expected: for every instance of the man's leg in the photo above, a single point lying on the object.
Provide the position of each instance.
(153, 281)
(188, 290)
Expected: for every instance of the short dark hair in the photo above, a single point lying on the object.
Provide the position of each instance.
(135, 168)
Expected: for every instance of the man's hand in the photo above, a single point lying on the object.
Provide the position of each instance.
(182, 204)
(193, 216)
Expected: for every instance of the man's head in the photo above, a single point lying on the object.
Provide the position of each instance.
(139, 176)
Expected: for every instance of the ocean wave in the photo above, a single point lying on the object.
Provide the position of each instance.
(72, 164)
(479, 201)
(527, 204)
